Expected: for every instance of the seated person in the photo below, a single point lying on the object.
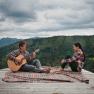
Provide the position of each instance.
(76, 61)
(32, 64)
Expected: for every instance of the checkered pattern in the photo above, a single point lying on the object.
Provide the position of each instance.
(65, 76)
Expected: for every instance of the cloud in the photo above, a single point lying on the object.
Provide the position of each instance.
(43, 18)
(18, 11)
(24, 35)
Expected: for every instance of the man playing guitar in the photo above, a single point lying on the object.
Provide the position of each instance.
(31, 64)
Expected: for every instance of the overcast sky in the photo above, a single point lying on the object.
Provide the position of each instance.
(45, 18)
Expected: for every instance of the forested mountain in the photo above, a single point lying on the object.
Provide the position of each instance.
(7, 41)
(53, 49)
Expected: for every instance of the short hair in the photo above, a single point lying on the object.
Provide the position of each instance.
(21, 43)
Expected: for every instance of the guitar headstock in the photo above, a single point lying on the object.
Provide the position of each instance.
(37, 50)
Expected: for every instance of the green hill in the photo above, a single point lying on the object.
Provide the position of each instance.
(7, 41)
(53, 49)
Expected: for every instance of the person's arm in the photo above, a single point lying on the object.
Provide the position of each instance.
(12, 55)
(33, 55)
(29, 56)
(78, 57)
(74, 58)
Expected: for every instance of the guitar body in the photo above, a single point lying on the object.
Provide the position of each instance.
(15, 67)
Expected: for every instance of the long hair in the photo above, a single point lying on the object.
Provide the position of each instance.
(80, 47)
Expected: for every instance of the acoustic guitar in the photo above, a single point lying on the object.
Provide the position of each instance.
(15, 66)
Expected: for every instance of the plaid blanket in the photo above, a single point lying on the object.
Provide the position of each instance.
(65, 76)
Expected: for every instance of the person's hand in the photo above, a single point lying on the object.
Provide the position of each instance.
(33, 56)
(69, 60)
(18, 60)
(79, 62)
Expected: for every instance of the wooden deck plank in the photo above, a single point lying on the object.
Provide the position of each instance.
(47, 88)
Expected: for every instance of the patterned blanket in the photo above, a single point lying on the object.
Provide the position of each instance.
(54, 76)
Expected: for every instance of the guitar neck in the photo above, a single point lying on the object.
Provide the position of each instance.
(37, 50)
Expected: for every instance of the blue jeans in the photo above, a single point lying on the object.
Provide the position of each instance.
(32, 66)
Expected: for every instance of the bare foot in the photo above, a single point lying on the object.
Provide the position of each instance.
(45, 70)
(56, 71)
